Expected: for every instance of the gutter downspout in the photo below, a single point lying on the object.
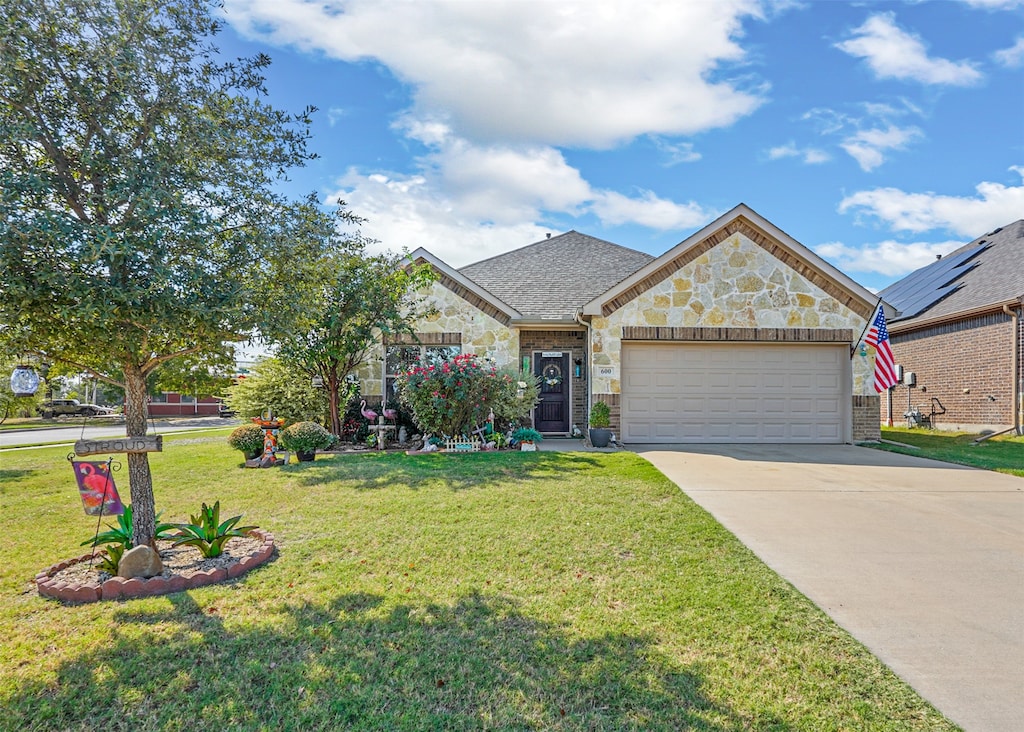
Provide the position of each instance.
(578, 316)
(1015, 370)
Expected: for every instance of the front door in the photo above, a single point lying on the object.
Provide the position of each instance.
(552, 414)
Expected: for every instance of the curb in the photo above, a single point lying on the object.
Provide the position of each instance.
(118, 588)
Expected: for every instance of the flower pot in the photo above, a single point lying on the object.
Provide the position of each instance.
(305, 457)
(600, 437)
(527, 447)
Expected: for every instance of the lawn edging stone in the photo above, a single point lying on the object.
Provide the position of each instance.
(118, 588)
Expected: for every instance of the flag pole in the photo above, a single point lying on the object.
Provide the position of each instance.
(871, 319)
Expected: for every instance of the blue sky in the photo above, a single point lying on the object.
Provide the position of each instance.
(878, 134)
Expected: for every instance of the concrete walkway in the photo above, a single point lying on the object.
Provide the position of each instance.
(921, 561)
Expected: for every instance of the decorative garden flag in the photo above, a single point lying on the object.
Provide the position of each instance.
(97, 489)
(885, 364)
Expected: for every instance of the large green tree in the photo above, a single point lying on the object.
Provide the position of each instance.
(358, 300)
(138, 213)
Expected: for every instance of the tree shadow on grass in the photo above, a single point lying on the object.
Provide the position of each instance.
(370, 471)
(10, 476)
(345, 664)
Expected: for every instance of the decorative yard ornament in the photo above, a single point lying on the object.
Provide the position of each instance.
(96, 488)
(24, 381)
(271, 427)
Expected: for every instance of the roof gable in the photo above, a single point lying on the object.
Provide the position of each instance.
(466, 288)
(553, 278)
(981, 275)
(763, 233)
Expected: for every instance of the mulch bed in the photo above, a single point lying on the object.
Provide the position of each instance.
(185, 568)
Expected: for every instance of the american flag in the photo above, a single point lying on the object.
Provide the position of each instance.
(885, 364)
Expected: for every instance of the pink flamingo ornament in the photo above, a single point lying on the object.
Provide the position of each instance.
(390, 414)
(368, 413)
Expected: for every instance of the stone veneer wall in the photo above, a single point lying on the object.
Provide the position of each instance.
(481, 334)
(573, 341)
(736, 284)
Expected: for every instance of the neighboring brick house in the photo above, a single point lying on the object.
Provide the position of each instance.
(737, 334)
(960, 329)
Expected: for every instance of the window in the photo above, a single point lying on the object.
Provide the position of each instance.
(402, 358)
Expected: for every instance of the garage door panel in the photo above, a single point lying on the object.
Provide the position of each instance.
(734, 392)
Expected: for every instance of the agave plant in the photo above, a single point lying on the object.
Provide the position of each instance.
(206, 532)
(122, 533)
(111, 559)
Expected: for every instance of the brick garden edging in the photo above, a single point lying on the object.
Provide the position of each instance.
(118, 588)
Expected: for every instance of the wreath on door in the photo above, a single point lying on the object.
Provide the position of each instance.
(552, 374)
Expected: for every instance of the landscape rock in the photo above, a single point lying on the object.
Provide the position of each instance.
(140, 561)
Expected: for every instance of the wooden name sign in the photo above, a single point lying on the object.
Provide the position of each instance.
(148, 443)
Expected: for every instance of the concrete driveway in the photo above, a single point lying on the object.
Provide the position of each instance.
(921, 561)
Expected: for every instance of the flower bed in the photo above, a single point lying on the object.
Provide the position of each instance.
(65, 581)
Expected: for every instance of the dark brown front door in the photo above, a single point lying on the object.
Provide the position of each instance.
(552, 414)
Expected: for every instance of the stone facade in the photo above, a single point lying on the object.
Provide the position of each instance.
(481, 333)
(735, 284)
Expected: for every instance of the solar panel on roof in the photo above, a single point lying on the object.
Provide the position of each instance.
(922, 289)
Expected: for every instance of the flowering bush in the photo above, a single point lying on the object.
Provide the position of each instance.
(305, 437)
(248, 438)
(455, 396)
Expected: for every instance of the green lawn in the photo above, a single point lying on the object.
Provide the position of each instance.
(513, 591)
(1004, 454)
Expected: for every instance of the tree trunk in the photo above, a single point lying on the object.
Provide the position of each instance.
(140, 479)
(332, 398)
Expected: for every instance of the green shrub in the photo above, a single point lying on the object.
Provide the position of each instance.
(454, 397)
(109, 562)
(207, 534)
(305, 437)
(527, 434)
(600, 416)
(248, 438)
(275, 386)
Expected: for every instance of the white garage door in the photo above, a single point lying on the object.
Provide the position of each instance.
(729, 392)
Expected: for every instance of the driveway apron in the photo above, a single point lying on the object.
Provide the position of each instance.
(921, 561)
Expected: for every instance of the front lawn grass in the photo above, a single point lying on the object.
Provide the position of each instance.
(1004, 454)
(512, 591)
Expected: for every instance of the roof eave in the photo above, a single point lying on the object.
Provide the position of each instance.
(919, 323)
(464, 281)
(869, 299)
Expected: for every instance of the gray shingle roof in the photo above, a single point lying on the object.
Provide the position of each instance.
(552, 278)
(994, 275)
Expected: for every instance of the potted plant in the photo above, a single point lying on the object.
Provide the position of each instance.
(527, 436)
(249, 439)
(600, 422)
(305, 438)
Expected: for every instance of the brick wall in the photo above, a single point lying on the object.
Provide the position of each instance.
(966, 365)
(575, 343)
(866, 418)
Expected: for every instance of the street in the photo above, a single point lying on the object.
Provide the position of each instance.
(76, 431)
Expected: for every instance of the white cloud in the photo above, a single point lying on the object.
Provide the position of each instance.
(890, 258)
(648, 210)
(675, 153)
(995, 205)
(1013, 56)
(867, 146)
(468, 202)
(565, 73)
(335, 115)
(892, 53)
(994, 4)
(809, 155)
